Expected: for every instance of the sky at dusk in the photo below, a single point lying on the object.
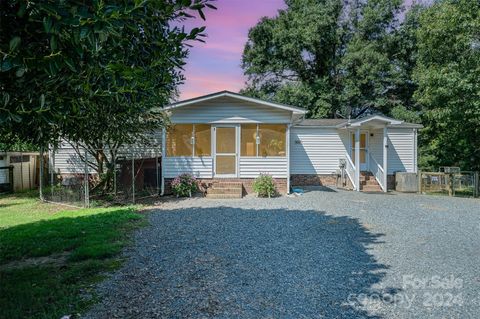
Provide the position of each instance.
(215, 65)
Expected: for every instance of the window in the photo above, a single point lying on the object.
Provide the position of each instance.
(179, 140)
(272, 139)
(248, 140)
(203, 144)
(263, 140)
(189, 140)
(19, 159)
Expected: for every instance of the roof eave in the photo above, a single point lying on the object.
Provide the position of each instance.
(292, 109)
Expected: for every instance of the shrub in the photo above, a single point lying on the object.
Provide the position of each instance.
(264, 186)
(184, 185)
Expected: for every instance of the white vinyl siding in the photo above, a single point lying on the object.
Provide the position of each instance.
(401, 152)
(375, 144)
(201, 167)
(3, 172)
(67, 161)
(316, 150)
(251, 167)
(227, 110)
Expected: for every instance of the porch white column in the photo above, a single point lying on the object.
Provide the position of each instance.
(385, 157)
(357, 159)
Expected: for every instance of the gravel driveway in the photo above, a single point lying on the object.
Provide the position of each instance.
(327, 254)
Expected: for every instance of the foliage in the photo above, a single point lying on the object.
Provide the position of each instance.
(264, 186)
(448, 78)
(292, 58)
(78, 245)
(93, 73)
(332, 57)
(184, 185)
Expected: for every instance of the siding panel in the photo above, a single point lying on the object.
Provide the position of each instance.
(251, 167)
(401, 153)
(226, 110)
(198, 166)
(316, 150)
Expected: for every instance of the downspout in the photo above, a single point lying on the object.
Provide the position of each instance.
(162, 191)
(288, 158)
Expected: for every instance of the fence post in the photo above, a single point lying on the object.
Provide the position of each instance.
(51, 168)
(156, 171)
(41, 175)
(476, 186)
(419, 181)
(133, 179)
(114, 160)
(85, 182)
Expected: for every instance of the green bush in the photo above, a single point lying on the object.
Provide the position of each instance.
(264, 186)
(184, 185)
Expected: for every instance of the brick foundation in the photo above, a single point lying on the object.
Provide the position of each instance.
(329, 180)
(280, 183)
(313, 180)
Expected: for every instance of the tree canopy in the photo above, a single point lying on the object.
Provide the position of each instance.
(81, 69)
(344, 58)
(448, 78)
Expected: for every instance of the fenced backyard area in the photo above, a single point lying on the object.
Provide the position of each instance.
(450, 183)
(73, 178)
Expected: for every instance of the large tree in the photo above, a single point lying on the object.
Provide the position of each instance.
(448, 78)
(367, 71)
(292, 58)
(334, 56)
(90, 72)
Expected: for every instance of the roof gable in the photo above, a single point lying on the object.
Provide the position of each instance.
(222, 94)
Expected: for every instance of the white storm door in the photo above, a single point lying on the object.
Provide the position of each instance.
(226, 155)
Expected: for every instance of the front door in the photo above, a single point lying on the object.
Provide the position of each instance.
(363, 150)
(225, 151)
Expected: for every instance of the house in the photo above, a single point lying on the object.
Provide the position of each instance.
(229, 138)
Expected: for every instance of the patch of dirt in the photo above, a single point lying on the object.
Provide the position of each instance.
(52, 260)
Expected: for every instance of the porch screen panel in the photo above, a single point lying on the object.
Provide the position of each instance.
(203, 145)
(225, 164)
(179, 140)
(225, 140)
(248, 142)
(272, 139)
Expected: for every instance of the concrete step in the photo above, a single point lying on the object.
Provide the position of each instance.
(372, 182)
(225, 190)
(223, 196)
(371, 189)
(227, 185)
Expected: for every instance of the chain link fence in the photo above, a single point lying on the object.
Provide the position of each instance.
(464, 184)
(78, 177)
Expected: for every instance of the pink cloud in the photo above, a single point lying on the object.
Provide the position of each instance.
(215, 65)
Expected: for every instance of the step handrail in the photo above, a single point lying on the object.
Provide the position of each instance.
(350, 169)
(377, 171)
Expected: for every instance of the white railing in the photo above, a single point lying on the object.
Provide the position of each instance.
(377, 171)
(350, 169)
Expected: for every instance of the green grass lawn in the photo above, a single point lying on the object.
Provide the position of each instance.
(51, 256)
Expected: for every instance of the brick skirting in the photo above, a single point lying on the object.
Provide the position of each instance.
(329, 180)
(280, 183)
(313, 180)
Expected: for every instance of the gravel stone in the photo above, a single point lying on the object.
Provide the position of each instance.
(326, 254)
